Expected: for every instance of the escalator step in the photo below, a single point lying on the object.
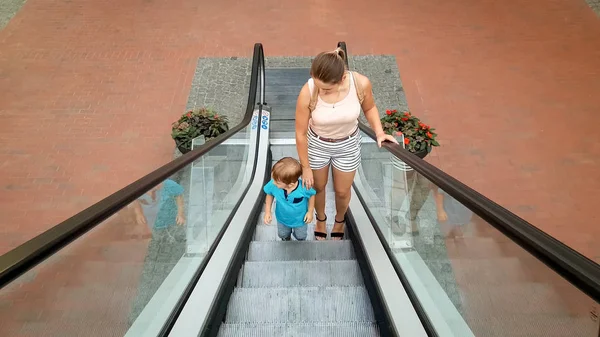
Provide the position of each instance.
(301, 274)
(300, 250)
(300, 330)
(295, 305)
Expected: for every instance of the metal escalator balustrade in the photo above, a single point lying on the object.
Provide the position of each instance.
(470, 266)
(299, 288)
(126, 265)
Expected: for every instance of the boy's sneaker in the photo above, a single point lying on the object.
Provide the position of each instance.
(287, 239)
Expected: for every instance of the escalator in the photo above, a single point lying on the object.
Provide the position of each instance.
(480, 272)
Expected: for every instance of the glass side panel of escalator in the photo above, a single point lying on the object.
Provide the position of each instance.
(470, 278)
(124, 277)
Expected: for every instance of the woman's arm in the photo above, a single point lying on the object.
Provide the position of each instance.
(302, 118)
(370, 110)
(368, 105)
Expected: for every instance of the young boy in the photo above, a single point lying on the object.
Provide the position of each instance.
(295, 204)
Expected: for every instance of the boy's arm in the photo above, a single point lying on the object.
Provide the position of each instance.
(311, 205)
(140, 218)
(268, 203)
(439, 198)
(180, 217)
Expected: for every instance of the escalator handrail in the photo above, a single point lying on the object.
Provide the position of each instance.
(570, 264)
(27, 255)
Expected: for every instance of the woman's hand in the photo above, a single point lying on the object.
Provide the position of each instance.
(383, 137)
(307, 178)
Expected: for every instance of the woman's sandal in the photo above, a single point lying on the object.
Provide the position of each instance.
(338, 235)
(321, 234)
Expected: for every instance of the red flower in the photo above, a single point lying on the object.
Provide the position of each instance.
(189, 115)
(429, 134)
(404, 119)
(398, 133)
(216, 116)
(394, 111)
(407, 113)
(388, 112)
(406, 141)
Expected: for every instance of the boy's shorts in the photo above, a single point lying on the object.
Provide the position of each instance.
(285, 232)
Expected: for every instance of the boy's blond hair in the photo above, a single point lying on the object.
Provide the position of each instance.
(287, 170)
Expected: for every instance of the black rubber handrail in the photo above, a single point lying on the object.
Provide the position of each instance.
(574, 267)
(22, 258)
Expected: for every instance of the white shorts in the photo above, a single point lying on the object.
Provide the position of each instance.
(343, 155)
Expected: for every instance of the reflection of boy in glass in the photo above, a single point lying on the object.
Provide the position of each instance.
(162, 210)
(161, 207)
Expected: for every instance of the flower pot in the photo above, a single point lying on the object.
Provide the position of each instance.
(183, 150)
(421, 154)
(402, 166)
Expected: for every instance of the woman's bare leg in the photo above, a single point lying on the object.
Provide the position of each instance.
(342, 184)
(320, 176)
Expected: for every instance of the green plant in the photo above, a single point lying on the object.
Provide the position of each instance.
(417, 135)
(195, 123)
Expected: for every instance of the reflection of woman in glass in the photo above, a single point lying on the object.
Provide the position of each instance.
(416, 188)
(451, 214)
(162, 210)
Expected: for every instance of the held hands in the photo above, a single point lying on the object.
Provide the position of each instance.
(307, 177)
(382, 137)
(268, 218)
(308, 218)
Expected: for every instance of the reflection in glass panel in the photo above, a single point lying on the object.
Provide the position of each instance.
(124, 276)
(470, 278)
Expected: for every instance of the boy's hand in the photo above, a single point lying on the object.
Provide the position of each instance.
(442, 216)
(180, 220)
(140, 219)
(268, 218)
(308, 218)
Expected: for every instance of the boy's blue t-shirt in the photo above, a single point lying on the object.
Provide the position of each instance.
(290, 208)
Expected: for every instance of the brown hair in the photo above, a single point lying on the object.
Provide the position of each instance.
(329, 67)
(287, 170)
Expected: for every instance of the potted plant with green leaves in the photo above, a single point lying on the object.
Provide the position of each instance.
(419, 138)
(195, 123)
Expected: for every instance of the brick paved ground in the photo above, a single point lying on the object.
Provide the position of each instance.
(111, 77)
(88, 90)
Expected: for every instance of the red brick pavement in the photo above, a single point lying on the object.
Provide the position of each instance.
(88, 90)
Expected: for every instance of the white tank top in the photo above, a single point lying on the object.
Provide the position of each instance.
(335, 120)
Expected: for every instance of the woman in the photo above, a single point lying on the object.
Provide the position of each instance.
(327, 132)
